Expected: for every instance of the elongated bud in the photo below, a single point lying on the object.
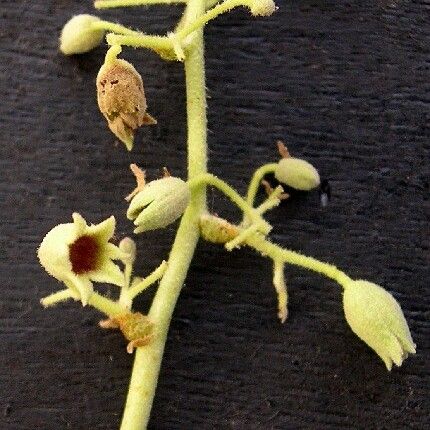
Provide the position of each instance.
(217, 230)
(159, 204)
(297, 173)
(262, 7)
(121, 99)
(79, 35)
(376, 318)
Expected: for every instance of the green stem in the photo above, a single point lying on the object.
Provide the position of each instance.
(277, 253)
(209, 15)
(233, 195)
(96, 300)
(259, 174)
(106, 4)
(141, 40)
(147, 362)
(115, 28)
(105, 305)
(59, 296)
(148, 281)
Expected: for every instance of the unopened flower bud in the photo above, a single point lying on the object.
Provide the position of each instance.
(128, 246)
(79, 35)
(297, 173)
(262, 7)
(121, 99)
(159, 204)
(217, 230)
(376, 318)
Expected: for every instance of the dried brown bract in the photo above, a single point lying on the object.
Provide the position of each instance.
(121, 99)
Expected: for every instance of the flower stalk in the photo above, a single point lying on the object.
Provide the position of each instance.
(148, 358)
(79, 254)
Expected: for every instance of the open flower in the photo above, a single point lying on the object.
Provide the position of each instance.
(78, 254)
(377, 319)
(121, 99)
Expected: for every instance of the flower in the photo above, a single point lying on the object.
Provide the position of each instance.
(121, 99)
(79, 35)
(297, 173)
(78, 254)
(159, 203)
(376, 318)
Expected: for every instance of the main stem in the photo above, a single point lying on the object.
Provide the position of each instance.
(148, 359)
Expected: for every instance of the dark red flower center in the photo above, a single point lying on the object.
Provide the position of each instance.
(83, 254)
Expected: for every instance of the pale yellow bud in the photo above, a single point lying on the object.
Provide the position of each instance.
(297, 173)
(377, 319)
(121, 99)
(159, 204)
(262, 7)
(79, 35)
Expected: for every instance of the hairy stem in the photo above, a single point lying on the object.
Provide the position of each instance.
(258, 175)
(147, 362)
(141, 40)
(233, 195)
(279, 254)
(113, 27)
(106, 4)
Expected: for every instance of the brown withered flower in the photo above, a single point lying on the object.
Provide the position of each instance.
(121, 99)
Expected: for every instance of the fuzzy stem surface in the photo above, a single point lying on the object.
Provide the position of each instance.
(148, 359)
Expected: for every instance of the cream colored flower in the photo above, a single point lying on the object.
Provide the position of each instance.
(79, 254)
(377, 319)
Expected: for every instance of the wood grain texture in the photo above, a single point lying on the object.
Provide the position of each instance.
(346, 85)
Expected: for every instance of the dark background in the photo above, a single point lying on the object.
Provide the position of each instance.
(346, 85)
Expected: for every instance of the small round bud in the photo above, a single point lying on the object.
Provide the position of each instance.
(160, 203)
(79, 35)
(121, 99)
(297, 173)
(128, 246)
(376, 318)
(262, 7)
(217, 230)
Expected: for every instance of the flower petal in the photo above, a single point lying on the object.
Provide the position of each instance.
(114, 252)
(81, 284)
(109, 273)
(104, 230)
(80, 224)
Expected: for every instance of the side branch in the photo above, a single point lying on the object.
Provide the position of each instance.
(107, 4)
(279, 254)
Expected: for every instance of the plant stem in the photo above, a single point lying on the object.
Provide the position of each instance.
(233, 195)
(106, 4)
(256, 181)
(114, 27)
(279, 254)
(148, 358)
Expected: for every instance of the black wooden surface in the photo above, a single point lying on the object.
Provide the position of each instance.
(346, 85)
